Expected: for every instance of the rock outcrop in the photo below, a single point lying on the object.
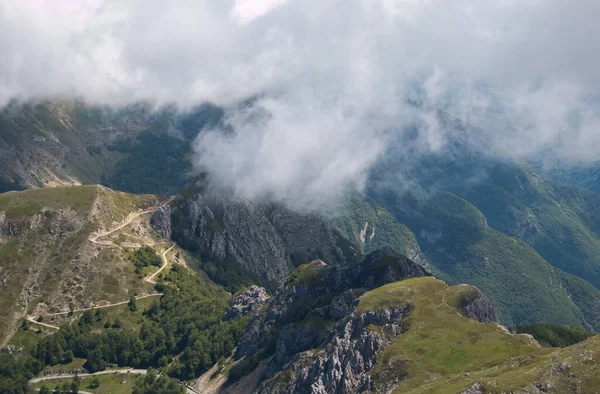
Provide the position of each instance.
(316, 336)
(249, 301)
(345, 357)
(161, 222)
(319, 290)
(480, 308)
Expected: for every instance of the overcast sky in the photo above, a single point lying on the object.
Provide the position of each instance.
(333, 76)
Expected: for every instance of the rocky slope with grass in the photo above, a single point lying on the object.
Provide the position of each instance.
(58, 143)
(386, 325)
(47, 260)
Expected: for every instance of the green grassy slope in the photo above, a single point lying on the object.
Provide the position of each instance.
(561, 223)
(553, 219)
(440, 342)
(444, 352)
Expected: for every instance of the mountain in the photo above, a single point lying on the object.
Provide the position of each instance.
(127, 149)
(504, 228)
(134, 149)
(356, 324)
(586, 175)
(387, 325)
(269, 240)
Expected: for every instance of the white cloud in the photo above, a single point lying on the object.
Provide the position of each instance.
(334, 76)
(247, 10)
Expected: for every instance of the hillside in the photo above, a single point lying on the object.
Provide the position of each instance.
(369, 226)
(52, 254)
(482, 358)
(241, 242)
(380, 325)
(463, 248)
(583, 175)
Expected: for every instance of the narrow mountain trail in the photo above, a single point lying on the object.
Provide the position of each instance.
(105, 305)
(130, 371)
(33, 320)
(133, 215)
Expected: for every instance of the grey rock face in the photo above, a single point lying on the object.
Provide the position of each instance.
(161, 222)
(265, 239)
(306, 234)
(474, 389)
(480, 308)
(344, 304)
(247, 302)
(386, 266)
(347, 354)
(323, 345)
(224, 229)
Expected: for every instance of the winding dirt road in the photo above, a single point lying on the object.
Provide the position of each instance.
(163, 266)
(33, 320)
(85, 375)
(94, 239)
(131, 371)
(106, 305)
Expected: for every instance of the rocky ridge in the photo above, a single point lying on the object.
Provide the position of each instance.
(319, 344)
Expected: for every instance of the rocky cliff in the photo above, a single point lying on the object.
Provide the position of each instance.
(269, 240)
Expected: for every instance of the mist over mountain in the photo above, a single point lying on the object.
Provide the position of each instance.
(332, 85)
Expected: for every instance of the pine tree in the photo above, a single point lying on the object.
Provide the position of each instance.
(95, 361)
(95, 383)
(131, 304)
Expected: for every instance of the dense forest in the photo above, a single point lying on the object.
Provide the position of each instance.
(549, 335)
(156, 164)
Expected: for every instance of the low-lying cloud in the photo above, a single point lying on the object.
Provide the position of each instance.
(332, 82)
